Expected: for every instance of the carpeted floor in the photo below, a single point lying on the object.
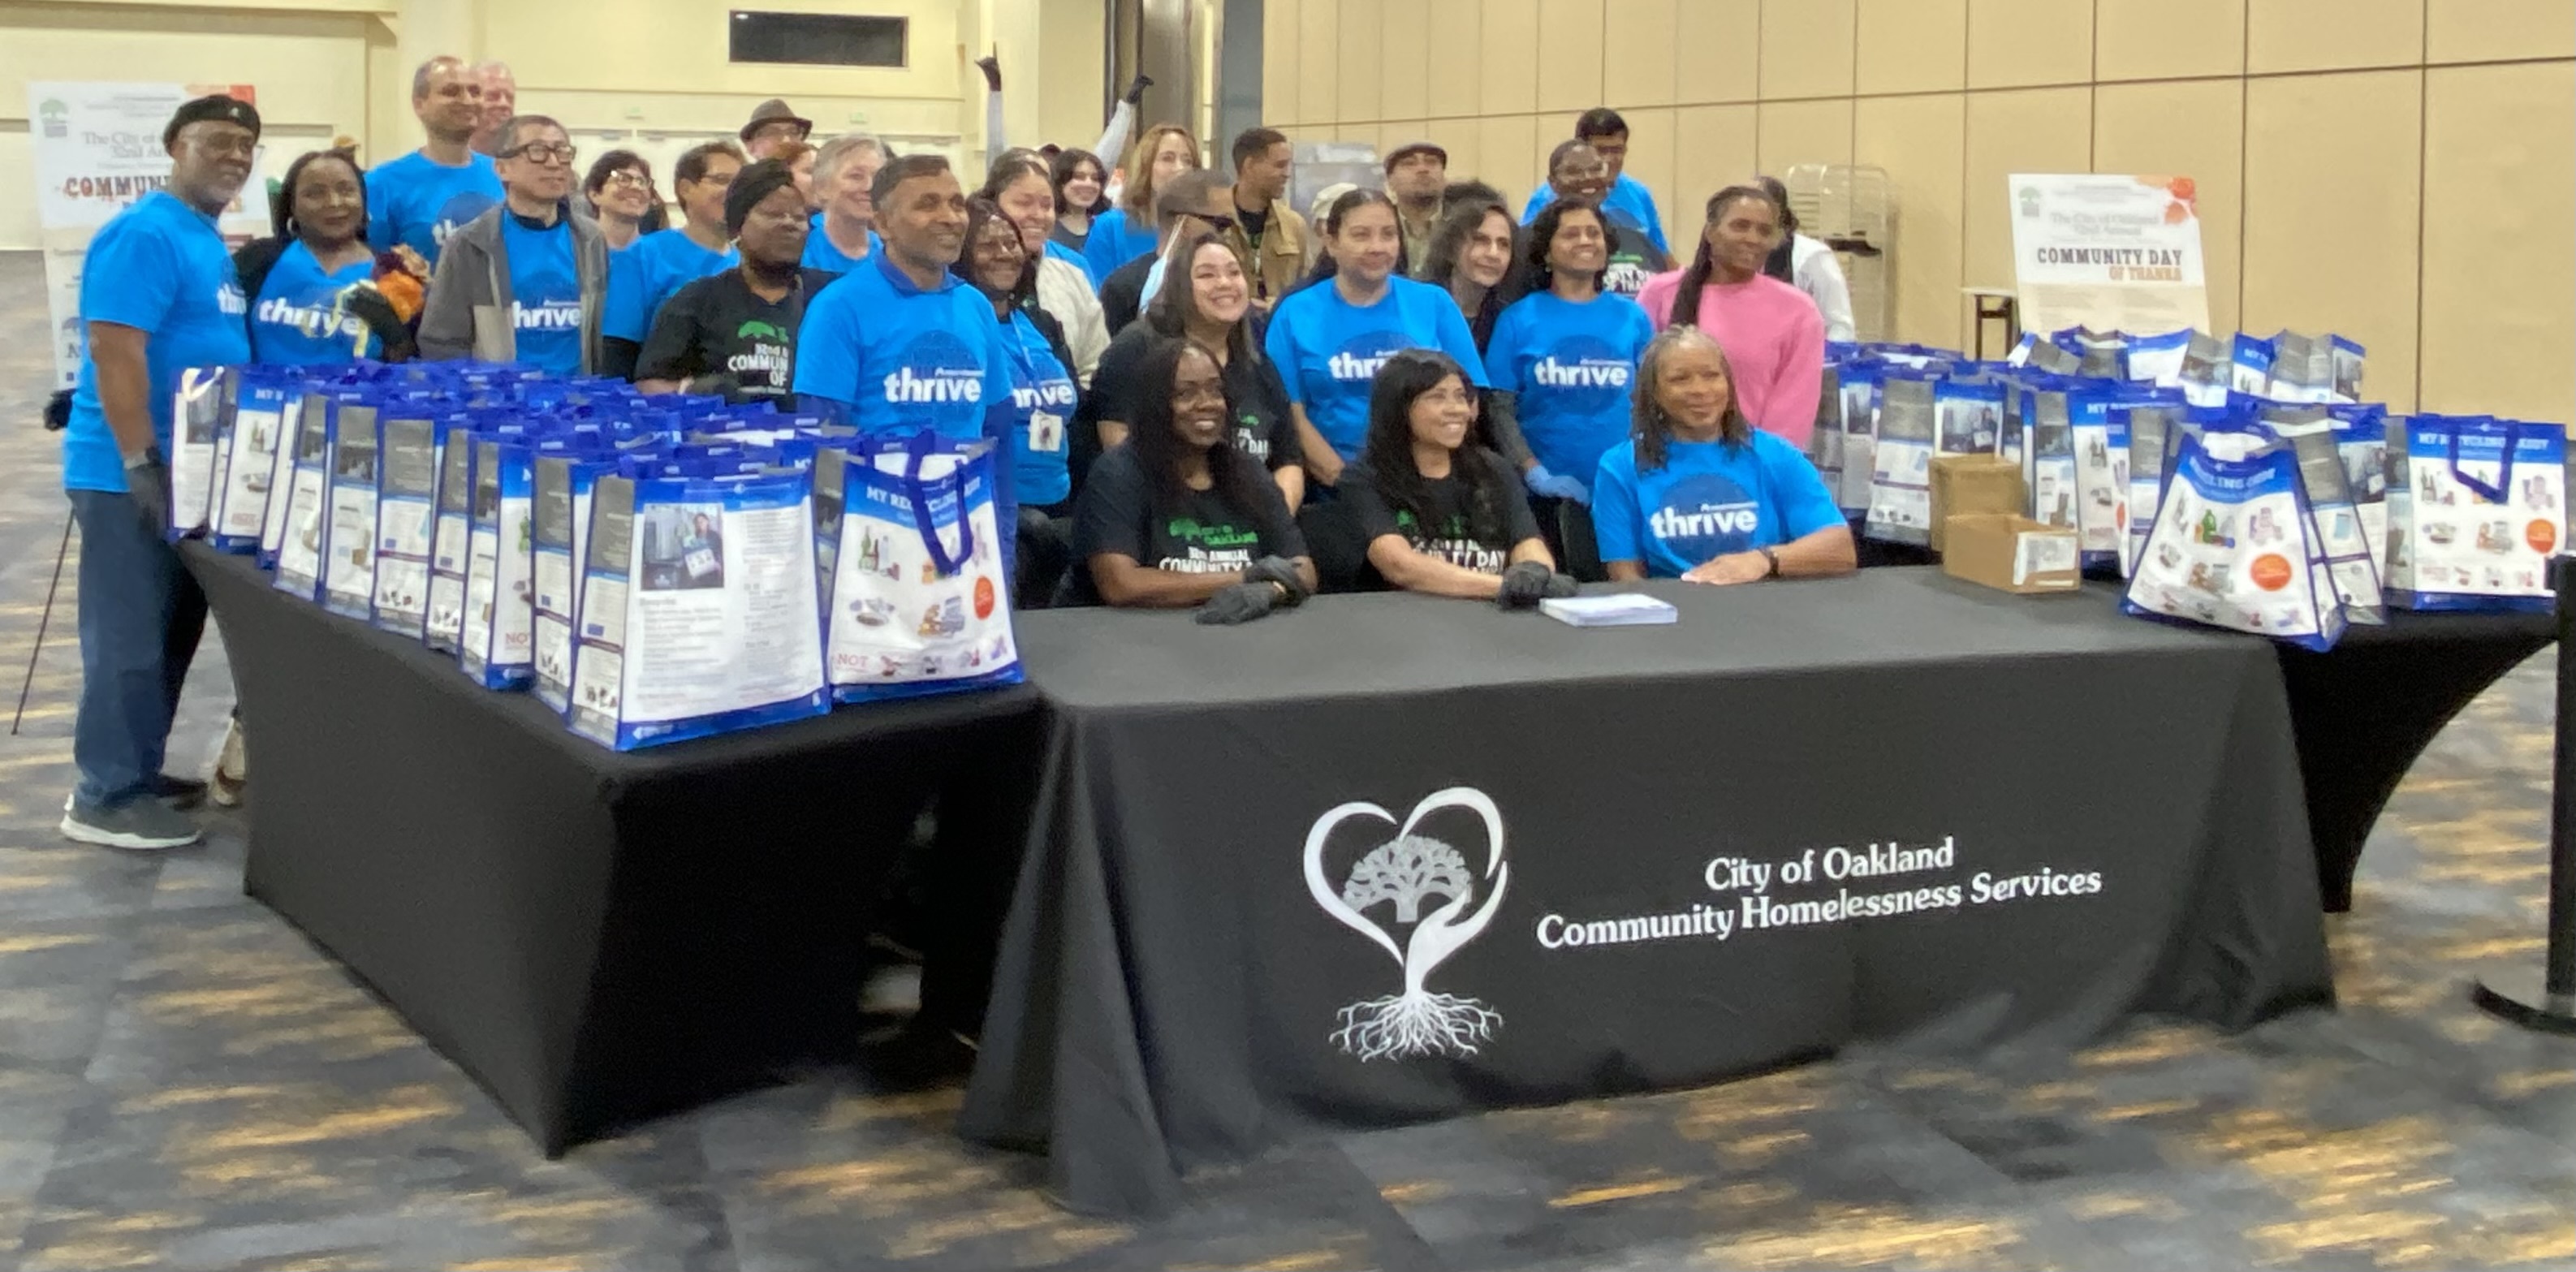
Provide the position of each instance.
(186, 1083)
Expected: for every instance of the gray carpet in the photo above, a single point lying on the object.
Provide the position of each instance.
(186, 1083)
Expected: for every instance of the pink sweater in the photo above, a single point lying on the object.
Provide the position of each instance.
(1774, 339)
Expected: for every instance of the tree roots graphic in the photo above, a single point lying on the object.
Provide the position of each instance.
(1415, 1024)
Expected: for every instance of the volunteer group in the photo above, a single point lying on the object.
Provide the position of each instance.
(1198, 396)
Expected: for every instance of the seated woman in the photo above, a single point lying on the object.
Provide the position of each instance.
(1215, 310)
(1176, 516)
(1701, 495)
(1438, 515)
(1043, 397)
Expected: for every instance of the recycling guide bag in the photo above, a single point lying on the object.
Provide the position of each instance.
(2100, 441)
(2352, 556)
(1970, 415)
(2476, 507)
(2148, 424)
(1859, 389)
(2158, 359)
(496, 646)
(349, 563)
(250, 444)
(2232, 547)
(915, 591)
(698, 609)
(197, 415)
(1900, 484)
(564, 482)
(451, 535)
(1825, 444)
(2361, 438)
(407, 455)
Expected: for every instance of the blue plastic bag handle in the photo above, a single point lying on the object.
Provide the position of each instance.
(917, 448)
(2512, 442)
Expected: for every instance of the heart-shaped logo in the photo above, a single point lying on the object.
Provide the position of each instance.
(1405, 872)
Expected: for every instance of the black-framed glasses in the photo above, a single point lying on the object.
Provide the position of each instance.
(542, 152)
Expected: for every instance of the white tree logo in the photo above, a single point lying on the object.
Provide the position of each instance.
(1407, 872)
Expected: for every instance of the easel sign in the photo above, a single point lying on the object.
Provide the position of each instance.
(2109, 251)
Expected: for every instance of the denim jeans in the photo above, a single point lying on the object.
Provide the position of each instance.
(140, 617)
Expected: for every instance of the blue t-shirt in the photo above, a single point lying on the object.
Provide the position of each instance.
(648, 271)
(820, 254)
(1113, 243)
(895, 358)
(1628, 198)
(292, 320)
(1040, 386)
(1569, 366)
(545, 295)
(1709, 499)
(1328, 350)
(417, 201)
(160, 268)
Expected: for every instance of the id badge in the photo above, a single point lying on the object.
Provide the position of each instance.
(1046, 431)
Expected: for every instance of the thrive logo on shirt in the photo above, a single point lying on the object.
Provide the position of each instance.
(1208, 549)
(229, 298)
(552, 315)
(311, 321)
(1705, 516)
(1584, 375)
(1051, 395)
(937, 369)
(1362, 356)
(460, 208)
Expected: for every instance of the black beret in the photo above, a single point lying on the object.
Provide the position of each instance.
(231, 110)
(750, 186)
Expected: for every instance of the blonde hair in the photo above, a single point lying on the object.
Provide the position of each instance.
(1138, 197)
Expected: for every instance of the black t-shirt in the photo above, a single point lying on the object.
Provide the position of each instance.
(1255, 224)
(1203, 534)
(1122, 295)
(716, 324)
(1441, 527)
(1263, 428)
(1634, 258)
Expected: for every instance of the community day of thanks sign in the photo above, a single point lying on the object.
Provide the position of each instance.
(2108, 251)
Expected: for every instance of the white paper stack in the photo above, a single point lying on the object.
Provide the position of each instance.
(1626, 609)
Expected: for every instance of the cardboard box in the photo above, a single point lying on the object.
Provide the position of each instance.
(1967, 484)
(2013, 553)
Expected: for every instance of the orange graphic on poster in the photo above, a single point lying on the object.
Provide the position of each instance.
(2270, 571)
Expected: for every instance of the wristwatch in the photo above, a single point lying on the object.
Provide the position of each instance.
(1771, 559)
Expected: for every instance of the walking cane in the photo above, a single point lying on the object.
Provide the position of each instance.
(41, 621)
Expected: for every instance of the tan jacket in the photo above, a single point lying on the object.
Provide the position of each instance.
(1287, 249)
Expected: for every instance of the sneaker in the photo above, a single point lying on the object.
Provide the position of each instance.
(232, 768)
(179, 794)
(138, 823)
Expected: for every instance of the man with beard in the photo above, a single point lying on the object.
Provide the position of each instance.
(417, 201)
(158, 295)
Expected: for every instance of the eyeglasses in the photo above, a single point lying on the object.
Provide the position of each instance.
(630, 180)
(540, 152)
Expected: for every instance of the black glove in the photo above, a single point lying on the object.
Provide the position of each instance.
(1282, 571)
(370, 307)
(723, 384)
(1239, 603)
(148, 483)
(1135, 94)
(992, 68)
(1528, 583)
(58, 410)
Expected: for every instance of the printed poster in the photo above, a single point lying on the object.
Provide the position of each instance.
(2109, 251)
(96, 147)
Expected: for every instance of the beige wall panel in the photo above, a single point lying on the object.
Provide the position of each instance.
(2194, 129)
(1319, 34)
(2499, 195)
(1806, 48)
(1802, 132)
(1507, 74)
(1357, 66)
(1406, 63)
(1912, 46)
(2323, 35)
(2495, 30)
(1652, 143)
(2331, 190)
(1506, 149)
(1569, 76)
(1454, 75)
(1461, 138)
(2167, 39)
(2012, 43)
(1713, 147)
(1066, 50)
(1279, 97)
(1641, 51)
(1921, 142)
(2033, 130)
(1718, 56)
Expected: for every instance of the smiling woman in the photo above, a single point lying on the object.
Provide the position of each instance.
(311, 287)
(1438, 515)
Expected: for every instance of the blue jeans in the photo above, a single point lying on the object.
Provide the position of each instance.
(141, 615)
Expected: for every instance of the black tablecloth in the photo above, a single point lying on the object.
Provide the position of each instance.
(1179, 988)
(596, 937)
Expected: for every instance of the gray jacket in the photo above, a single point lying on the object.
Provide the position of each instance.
(468, 311)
